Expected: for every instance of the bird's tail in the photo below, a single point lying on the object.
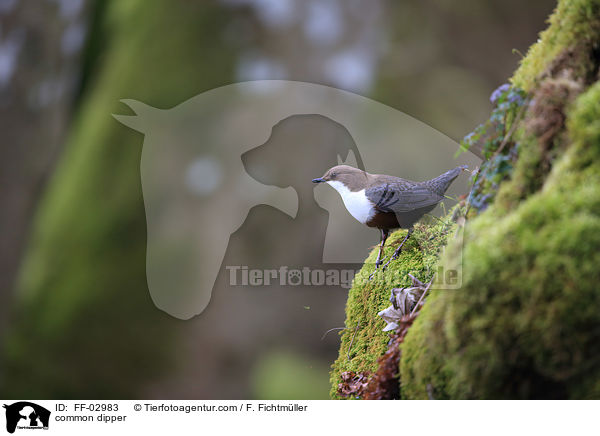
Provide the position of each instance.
(441, 183)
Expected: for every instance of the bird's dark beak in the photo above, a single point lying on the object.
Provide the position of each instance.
(318, 180)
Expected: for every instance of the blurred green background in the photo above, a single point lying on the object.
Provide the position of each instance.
(76, 319)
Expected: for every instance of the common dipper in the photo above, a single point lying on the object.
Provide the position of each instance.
(387, 202)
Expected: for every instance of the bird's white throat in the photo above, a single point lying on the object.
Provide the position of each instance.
(356, 203)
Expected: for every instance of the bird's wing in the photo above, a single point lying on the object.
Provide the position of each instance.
(401, 196)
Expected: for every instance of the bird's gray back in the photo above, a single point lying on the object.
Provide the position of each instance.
(401, 196)
(394, 194)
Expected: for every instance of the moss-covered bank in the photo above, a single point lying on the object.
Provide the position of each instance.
(526, 322)
(363, 340)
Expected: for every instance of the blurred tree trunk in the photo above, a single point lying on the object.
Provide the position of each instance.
(40, 52)
(84, 306)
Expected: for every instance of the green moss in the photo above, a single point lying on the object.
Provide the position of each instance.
(367, 297)
(526, 323)
(526, 177)
(556, 70)
(574, 28)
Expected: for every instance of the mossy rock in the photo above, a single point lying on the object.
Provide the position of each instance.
(526, 322)
(361, 347)
(572, 34)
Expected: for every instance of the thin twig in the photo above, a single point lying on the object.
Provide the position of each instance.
(352, 341)
(439, 219)
(475, 173)
(514, 50)
(513, 127)
(330, 330)
(416, 281)
(422, 296)
(505, 141)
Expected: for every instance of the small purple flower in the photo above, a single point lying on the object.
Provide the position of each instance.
(498, 92)
(515, 98)
(468, 138)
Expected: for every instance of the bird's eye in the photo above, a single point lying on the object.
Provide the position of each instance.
(332, 175)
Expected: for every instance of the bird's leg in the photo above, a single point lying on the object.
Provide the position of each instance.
(399, 249)
(384, 235)
(379, 261)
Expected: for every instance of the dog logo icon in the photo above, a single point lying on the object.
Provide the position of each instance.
(26, 415)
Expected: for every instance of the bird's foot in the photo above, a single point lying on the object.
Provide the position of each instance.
(385, 265)
(399, 249)
(394, 256)
(378, 263)
(374, 272)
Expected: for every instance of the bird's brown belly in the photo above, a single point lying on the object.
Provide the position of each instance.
(384, 220)
(405, 220)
